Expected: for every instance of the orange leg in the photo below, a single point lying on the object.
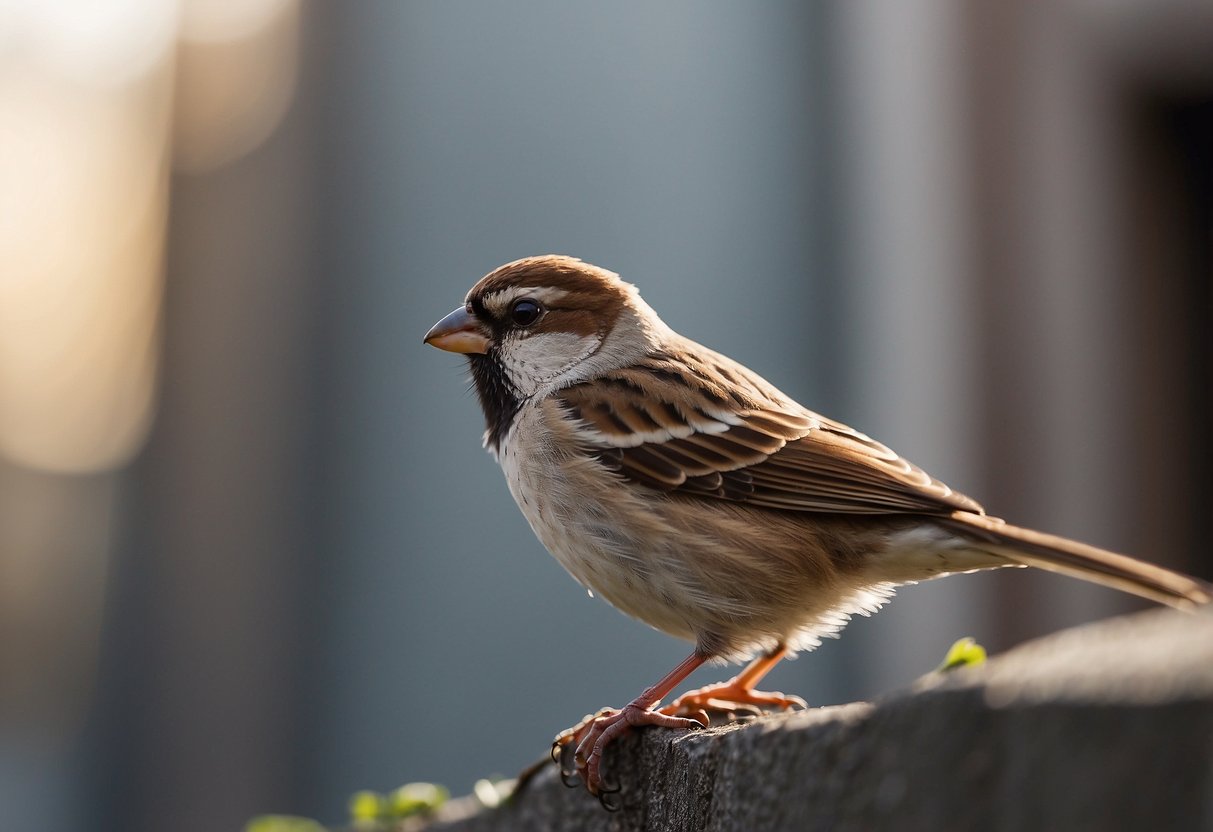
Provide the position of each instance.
(737, 695)
(591, 737)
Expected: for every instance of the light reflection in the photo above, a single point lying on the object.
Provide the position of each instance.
(216, 21)
(85, 106)
(95, 100)
(114, 43)
(83, 213)
(236, 71)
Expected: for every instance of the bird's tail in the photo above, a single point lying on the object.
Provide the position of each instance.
(1078, 560)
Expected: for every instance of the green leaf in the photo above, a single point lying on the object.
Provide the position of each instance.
(414, 798)
(367, 806)
(964, 652)
(282, 823)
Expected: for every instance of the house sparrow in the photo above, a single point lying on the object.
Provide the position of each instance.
(693, 495)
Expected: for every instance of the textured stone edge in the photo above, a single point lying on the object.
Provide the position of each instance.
(1109, 725)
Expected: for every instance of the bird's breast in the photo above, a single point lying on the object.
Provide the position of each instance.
(610, 539)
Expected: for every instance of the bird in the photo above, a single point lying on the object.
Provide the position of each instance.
(692, 494)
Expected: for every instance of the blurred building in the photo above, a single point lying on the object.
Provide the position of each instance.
(252, 557)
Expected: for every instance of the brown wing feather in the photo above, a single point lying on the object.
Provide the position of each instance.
(708, 428)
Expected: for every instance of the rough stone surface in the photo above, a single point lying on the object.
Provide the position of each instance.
(1104, 727)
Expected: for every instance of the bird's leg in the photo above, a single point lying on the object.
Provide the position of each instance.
(737, 695)
(591, 737)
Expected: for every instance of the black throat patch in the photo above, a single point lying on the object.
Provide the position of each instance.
(498, 398)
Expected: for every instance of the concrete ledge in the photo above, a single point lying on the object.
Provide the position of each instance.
(1104, 727)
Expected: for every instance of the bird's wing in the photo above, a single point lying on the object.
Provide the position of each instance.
(713, 430)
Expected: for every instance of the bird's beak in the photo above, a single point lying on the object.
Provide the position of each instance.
(458, 332)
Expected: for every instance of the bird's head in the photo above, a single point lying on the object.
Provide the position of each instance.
(542, 323)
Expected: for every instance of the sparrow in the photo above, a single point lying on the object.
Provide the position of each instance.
(692, 494)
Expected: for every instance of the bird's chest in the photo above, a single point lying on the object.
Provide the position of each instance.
(566, 501)
(607, 539)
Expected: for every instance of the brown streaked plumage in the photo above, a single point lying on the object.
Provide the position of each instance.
(693, 495)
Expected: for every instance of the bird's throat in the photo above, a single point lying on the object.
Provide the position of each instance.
(498, 398)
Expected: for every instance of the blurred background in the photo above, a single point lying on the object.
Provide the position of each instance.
(252, 556)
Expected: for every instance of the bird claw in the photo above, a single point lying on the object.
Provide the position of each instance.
(609, 799)
(570, 779)
(587, 742)
(562, 755)
(732, 702)
(606, 788)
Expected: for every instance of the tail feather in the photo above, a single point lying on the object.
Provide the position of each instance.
(1079, 560)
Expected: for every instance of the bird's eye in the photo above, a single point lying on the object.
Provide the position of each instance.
(525, 312)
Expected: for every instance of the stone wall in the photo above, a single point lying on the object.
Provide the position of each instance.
(1104, 727)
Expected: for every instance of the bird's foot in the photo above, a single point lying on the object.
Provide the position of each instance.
(731, 700)
(579, 750)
